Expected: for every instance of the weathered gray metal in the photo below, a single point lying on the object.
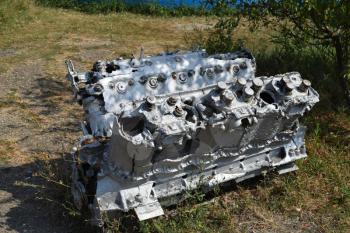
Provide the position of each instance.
(157, 126)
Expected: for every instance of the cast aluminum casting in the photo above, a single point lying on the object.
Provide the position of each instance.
(157, 126)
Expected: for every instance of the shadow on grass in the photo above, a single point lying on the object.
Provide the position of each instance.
(48, 95)
(38, 202)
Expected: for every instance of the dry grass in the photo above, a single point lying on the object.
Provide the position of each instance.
(39, 124)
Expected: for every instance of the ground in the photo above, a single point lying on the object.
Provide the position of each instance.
(39, 124)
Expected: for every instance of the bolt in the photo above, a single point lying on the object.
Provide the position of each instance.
(111, 85)
(222, 86)
(161, 77)
(151, 99)
(243, 65)
(228, 97)
(235, 69)
(98, 88)
(248, 94)
(172, 101)
(121, 87)
(182, 78)
(257, 84)
(153, 82)
(143, 79)
(210, 73)
(173, 75)
(178, 111)
(289, 87)
(241, 82)
(191, 73)
(150, 102)
(131, 82)
(305, 85)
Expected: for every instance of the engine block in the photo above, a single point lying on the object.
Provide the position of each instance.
(157, 126)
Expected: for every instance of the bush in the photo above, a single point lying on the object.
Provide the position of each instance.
(139, 7)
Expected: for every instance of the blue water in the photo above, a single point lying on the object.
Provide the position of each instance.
(169, 3)
(180, 3)
(165, 3)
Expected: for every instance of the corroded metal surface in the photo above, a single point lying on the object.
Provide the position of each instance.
(157, 126)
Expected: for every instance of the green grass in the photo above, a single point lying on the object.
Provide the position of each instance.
(315, 199)
(13, 13)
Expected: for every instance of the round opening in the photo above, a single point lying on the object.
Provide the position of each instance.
(267, 97)
(245, 122)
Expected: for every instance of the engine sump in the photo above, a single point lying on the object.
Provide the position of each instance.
(160, 125)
